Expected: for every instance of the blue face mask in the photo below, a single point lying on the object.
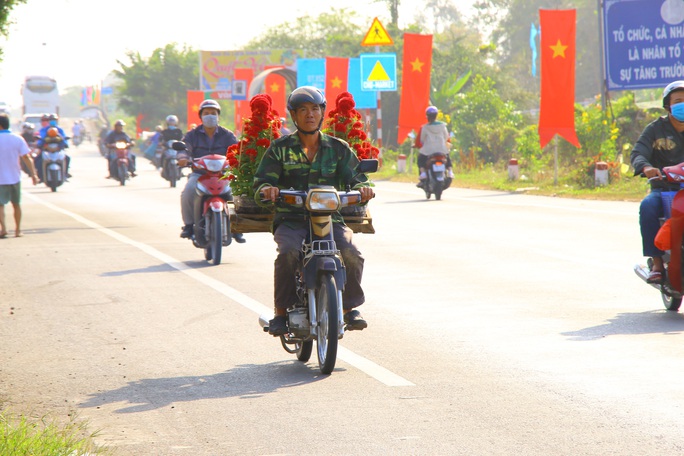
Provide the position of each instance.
(677, 111)
(53, 123)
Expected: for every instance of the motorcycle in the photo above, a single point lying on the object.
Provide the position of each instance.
(211, 221)
(321, 275)
(119, 163)
(437, 180)
(671, 289)
(78, 139)
(169, 164)
(53, 160)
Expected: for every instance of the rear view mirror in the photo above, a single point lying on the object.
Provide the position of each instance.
(367, 166)
(179, 146)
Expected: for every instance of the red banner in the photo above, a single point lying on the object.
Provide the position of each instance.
(276, 87)
(415, 85)
(242, 107)
(195, 97)
(557, 105)
(336, 77)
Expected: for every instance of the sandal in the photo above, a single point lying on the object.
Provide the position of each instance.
(655, 277)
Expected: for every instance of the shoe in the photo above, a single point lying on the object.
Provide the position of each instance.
(278, 326)
(239, 238)
(133, 174)
(421, 184)
(187, 232)
(68, 175)
(655, 277)
(354, 321)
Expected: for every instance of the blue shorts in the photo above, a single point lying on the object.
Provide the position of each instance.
(10, 193)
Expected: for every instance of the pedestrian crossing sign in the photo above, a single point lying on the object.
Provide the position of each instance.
(377, 35)
(379, 72)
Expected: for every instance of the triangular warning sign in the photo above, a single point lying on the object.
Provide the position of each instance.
(378, 73)
(377, 35)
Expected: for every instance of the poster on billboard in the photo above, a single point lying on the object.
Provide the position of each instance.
(217, 67)
(643, 42)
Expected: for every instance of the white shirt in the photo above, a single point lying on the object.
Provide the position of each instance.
(12, 146)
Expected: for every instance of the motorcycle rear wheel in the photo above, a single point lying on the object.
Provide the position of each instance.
(304, 350)
(216, 241)
(671, 303)
(328, 320)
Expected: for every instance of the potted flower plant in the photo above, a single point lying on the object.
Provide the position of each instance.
(259, 130)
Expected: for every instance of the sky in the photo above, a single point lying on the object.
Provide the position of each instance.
(78, 42)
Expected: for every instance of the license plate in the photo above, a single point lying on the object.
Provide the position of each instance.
(438, 168)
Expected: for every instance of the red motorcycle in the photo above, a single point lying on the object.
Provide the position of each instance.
(211, 218)
(671, 288)
(119, 162)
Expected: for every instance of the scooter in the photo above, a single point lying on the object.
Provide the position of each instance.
(169, 164)
(437, 180)
(53, 160)
(212, 223)
(321, 275)
(671, 289)
(119, 164)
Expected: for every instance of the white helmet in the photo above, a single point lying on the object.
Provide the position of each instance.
(172, 120)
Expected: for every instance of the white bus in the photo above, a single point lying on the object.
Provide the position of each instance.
(40, 95)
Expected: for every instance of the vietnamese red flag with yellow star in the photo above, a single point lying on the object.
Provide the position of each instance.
(274, 86)
(415, 84)
(336, 77)
(195, 97)
(557, 105)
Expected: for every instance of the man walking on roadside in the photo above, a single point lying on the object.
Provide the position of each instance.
(12, 149)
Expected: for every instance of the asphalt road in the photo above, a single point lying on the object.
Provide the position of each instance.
(499, 324)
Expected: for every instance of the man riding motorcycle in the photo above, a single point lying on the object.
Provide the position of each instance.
(206, 139)
(118, 134)
(432, 137)
(170, 133)
(660, 145)
(304, 158)
(51, 120)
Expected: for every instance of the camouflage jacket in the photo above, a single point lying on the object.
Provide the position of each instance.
(286, 166)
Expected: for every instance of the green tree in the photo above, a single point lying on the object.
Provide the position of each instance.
(6, 7)
(484, 122)
(157, 86)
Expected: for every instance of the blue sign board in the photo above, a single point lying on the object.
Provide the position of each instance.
(379, 72)
(644, 43)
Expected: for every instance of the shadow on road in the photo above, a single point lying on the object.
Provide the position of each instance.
(245, 381)
(651, 322)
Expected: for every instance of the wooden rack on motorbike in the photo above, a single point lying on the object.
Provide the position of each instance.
(243, 222)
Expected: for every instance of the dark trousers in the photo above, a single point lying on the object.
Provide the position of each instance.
(650, 211)
(289, 242)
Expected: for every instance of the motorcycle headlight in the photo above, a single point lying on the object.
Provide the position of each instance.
(120, 145)
(320, 200)
(214, 165)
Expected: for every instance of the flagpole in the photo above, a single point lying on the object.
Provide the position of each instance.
(602, 63)
(555, 160)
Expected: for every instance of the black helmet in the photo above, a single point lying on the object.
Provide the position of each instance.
(209, 104)
(53, 117)
(671, 87)
(305, 94)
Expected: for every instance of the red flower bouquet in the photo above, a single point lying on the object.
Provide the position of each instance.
(244, 157)
(345, 122)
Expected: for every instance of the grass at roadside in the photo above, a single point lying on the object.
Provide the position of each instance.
(42, 436)
(627, 188)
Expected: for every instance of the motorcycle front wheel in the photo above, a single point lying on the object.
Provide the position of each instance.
(216, 241)
(123, 173)
(172, 173)
(328, 319)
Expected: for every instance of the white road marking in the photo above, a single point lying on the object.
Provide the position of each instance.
(365, 365)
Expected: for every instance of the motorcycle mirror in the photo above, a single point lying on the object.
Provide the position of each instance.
(367, 166)
(179, 145)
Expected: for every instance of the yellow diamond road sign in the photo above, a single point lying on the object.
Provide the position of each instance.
(377, 35)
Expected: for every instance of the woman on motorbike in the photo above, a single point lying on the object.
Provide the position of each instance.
(304, 158)
(661, 144)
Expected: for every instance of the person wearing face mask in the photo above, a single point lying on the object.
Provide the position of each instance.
(206, 139)
(661, 144)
